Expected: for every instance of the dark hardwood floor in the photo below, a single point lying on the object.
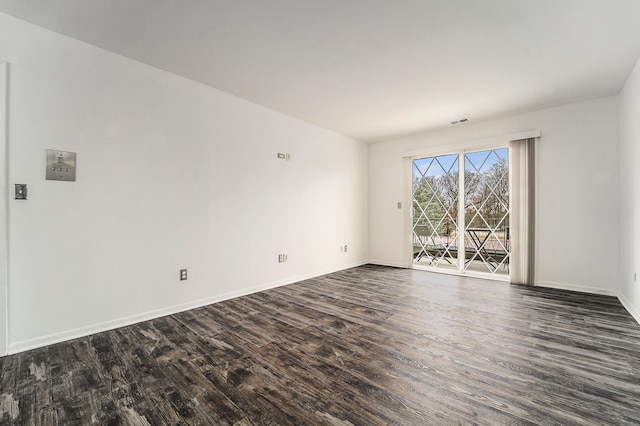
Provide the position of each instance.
(366, 346)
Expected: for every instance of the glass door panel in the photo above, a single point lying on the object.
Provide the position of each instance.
(435, 211)
(486, 211)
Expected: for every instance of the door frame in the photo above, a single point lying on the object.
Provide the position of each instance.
(461, 151)
(4, 196)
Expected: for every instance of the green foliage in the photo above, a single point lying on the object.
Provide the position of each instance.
(429, 210)
(486, 200)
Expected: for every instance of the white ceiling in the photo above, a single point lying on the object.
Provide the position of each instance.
(369, 69)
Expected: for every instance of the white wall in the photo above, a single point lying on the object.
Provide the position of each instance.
(171, 174)
(630, 192)
(576, 182)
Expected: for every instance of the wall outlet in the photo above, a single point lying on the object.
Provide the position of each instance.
(183, 274)
(345, 248)
(282, 258)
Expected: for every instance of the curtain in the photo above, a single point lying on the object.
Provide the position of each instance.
(522, 224)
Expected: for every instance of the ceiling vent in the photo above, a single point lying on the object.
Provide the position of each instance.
(462, 120)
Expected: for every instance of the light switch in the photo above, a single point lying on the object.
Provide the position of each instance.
(21, 191)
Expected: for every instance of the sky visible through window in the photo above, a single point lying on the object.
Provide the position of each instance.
(474, 161)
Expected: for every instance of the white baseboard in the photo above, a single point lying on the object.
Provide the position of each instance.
(50, 339)
(385, 263)
(580, 288)
(635, 312)
(38, 342)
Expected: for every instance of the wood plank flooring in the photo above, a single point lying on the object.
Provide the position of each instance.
(366, 346)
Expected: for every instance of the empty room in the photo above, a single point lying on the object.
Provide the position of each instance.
(305, 212)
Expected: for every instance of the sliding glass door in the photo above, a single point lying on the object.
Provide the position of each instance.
(468, 233)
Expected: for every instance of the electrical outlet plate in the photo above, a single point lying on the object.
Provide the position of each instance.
(61, 165)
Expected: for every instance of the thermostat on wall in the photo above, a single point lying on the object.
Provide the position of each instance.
(61, 165)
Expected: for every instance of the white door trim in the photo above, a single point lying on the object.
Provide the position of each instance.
(4, 195)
